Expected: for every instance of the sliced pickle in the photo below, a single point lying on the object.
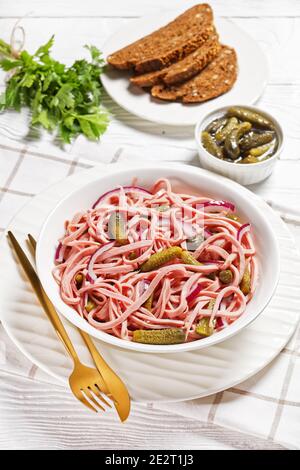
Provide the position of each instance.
(188, 258)
(165, 336)
(245, 284)
(226, 276)
(149, 302)
(203, 327)
(232, 216)
(79, 279)
(90, 306)
(160, 258)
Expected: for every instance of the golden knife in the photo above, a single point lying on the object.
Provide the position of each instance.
(113, 384)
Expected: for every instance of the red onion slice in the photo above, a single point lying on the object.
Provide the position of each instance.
(91, 276)
(220, 323)
(207, 233)
(221, 204)
(242, 230)
(58, 258)
(195, 292)
(127, 189)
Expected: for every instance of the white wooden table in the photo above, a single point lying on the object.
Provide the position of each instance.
(276, 26)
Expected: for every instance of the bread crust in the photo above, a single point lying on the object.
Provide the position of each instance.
(215, 79)
(184, 69)
(168, 44)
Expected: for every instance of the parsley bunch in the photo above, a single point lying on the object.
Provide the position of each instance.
(66, 99)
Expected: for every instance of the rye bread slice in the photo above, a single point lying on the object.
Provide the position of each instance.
(217, 78)
(149, 79)
(168, 44)
(184, 69)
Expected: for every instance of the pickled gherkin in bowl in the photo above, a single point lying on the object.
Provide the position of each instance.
(241, 136)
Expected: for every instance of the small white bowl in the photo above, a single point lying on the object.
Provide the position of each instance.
(243, 174)
(198, 181)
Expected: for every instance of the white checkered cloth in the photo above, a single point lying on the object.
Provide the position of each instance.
(36, 412)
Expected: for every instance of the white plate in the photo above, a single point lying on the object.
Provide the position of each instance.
(252, 76)
(158, 377)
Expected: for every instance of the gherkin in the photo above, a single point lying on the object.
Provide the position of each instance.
(203, 327)
(258, 151)
(165, 336)
(249, 159)
(160, 258)
(148, 303)
(245, 114)
(232, 216)
(231, 145)
(79, 279)
(256, 139)
(225, 276)
(245, 284)
(210, 145)
(223, 133)
(187, 258)
(216, 125)
(90, 306)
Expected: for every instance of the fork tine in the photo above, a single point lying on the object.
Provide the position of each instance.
(97, 391)
(89, 393)
(83, 400)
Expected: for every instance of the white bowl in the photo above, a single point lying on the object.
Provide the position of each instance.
(243, 174)
(198, 180)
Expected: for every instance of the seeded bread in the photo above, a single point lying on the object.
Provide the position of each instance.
(168, 44)
(184, 69)
(217, 78)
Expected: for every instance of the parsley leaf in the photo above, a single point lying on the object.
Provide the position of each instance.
(63, 99)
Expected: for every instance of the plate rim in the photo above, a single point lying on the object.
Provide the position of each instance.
(63, 381)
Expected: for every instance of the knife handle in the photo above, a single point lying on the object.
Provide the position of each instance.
(44, 300)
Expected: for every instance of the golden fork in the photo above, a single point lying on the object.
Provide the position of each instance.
(113, 386)
(85, 382)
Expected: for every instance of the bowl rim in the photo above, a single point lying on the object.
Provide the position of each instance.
(226, 164)
(224, 334)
